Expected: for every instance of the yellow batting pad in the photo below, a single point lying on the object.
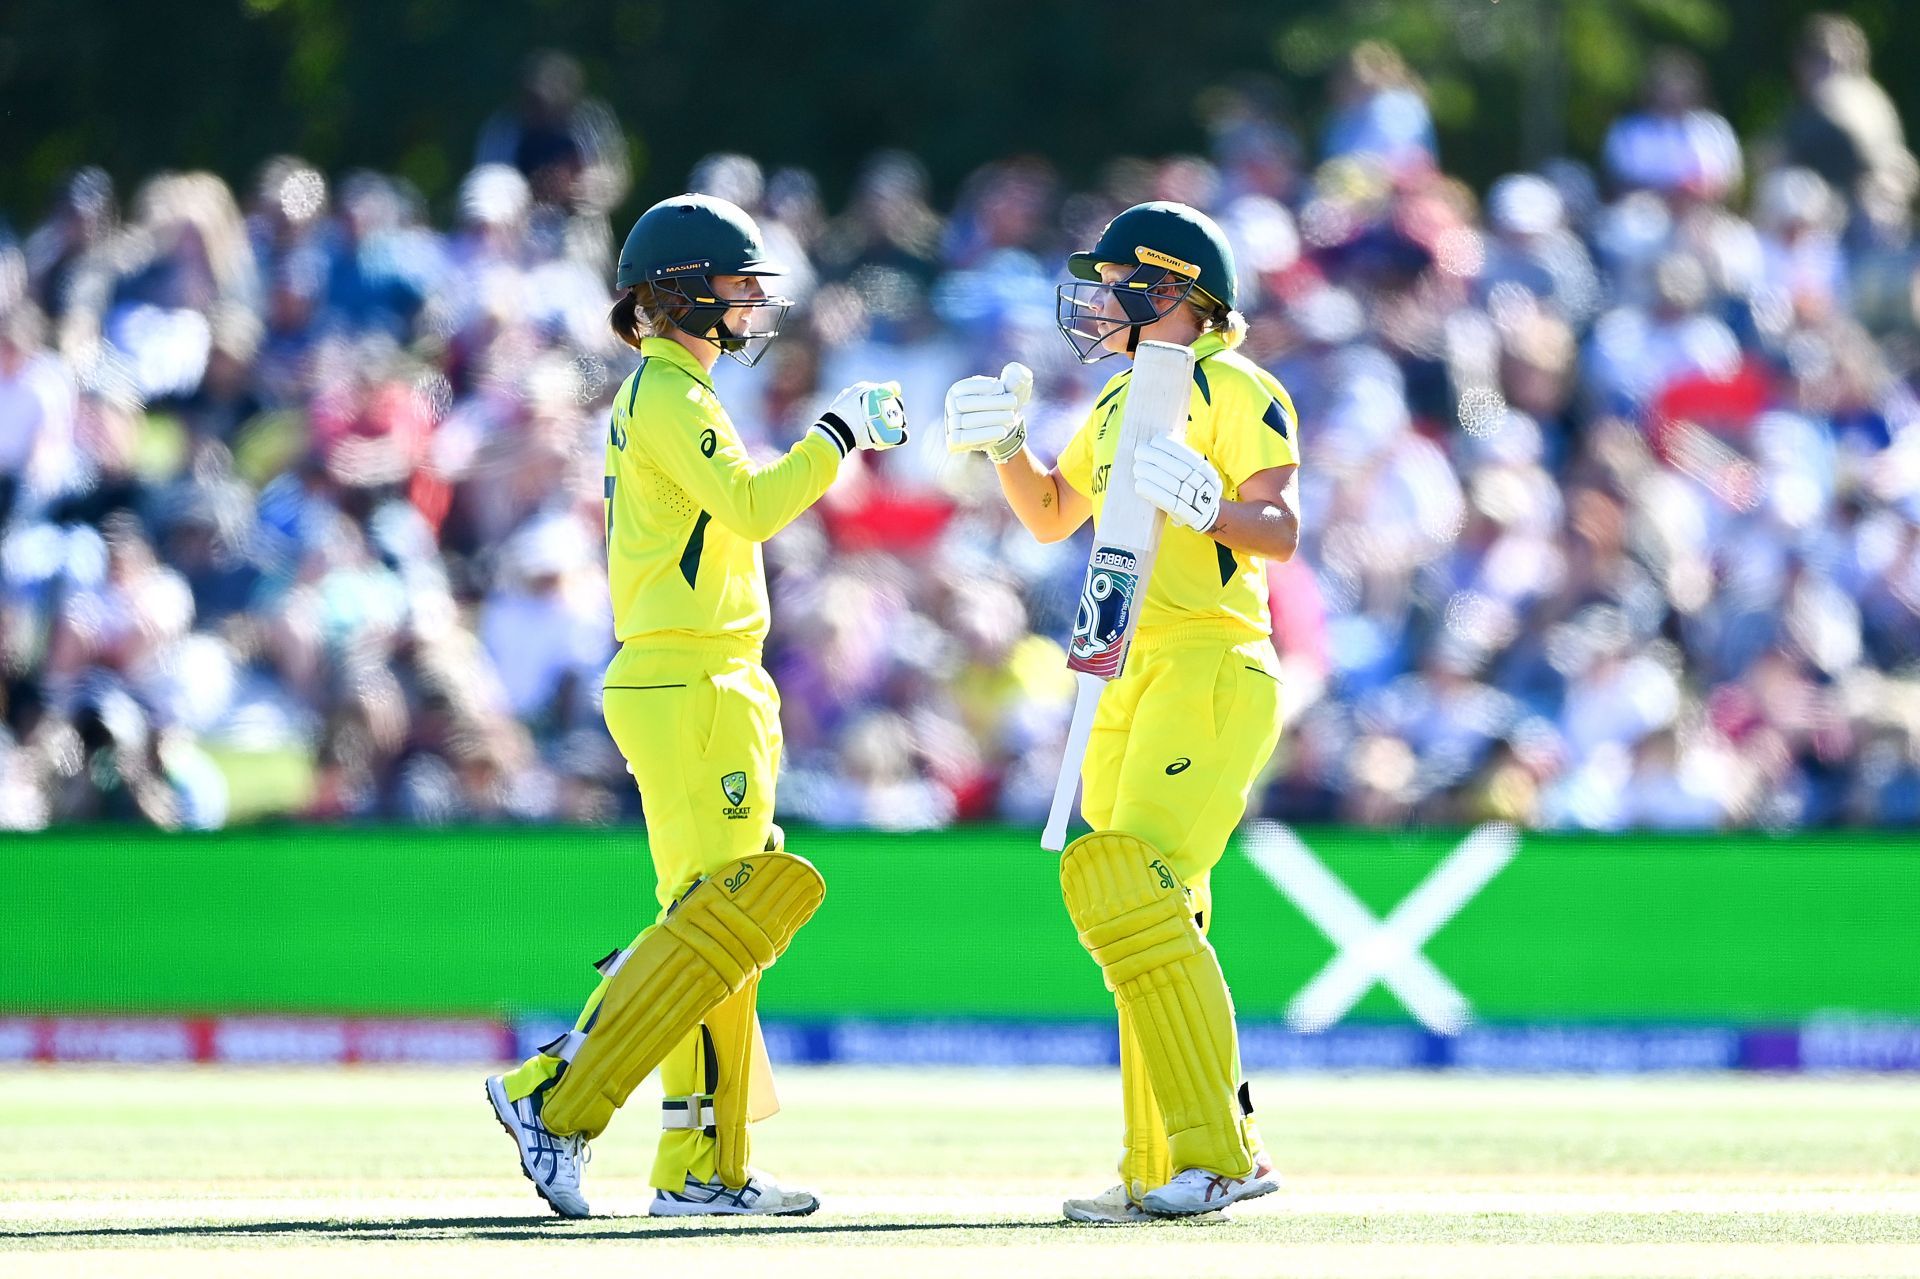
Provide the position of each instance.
(1144, 1161)
(734, 1028)
(711, 1084)
(725, 930)
(1133, 917)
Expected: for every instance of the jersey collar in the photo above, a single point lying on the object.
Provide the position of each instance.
(673, 353)
(1211, 343)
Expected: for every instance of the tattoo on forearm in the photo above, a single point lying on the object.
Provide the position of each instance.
(1046, 499)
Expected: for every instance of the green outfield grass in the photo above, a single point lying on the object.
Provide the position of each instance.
(206, 1172)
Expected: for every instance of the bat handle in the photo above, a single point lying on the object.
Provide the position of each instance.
(1085, 702)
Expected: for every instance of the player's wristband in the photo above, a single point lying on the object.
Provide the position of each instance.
(836, 430)
(1005, 451)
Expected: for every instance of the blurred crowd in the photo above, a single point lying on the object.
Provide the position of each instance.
(1611, 474)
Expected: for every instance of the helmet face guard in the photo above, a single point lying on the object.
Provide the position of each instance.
(697, 309)
(1089, 312)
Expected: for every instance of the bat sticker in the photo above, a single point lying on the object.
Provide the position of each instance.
(1106, 606)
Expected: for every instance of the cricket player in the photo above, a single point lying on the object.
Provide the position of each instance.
(698, 721)
(1181, 735)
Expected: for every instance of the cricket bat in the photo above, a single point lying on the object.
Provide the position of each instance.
(1126, 538)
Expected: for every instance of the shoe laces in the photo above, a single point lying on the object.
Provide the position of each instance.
(563, 1154)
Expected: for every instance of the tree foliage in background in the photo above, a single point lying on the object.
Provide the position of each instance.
(403, 85)
(1514, 79)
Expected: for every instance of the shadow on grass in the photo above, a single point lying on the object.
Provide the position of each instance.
(509, 1228)
(1494, 1228)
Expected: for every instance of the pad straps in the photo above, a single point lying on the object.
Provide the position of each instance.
(692, 1111)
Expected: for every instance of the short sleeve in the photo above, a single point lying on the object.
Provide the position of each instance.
(1076, 460)
(1254, 430)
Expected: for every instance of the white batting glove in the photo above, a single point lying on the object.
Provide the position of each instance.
(986, 414)
(1180, 481)
(867, 415)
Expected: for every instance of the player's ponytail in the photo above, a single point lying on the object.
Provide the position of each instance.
(1233, 327)
(624, 320)
(638, 314)
(1218, 317)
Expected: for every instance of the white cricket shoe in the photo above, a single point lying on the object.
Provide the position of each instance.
(762, 1196)
(1195, 1190)
(550, 1162)
(1113, 1207)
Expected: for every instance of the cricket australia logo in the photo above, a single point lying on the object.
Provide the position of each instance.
(734, 787)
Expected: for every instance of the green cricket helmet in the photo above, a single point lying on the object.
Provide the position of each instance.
(679, 245)
(1165, 244)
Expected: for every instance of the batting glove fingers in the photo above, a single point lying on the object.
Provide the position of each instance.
(1180, 481)
(987, 414)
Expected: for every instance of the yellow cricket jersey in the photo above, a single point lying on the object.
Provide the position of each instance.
(1242, 420)
(687, 509)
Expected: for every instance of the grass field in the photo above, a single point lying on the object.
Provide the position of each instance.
(208, 1173)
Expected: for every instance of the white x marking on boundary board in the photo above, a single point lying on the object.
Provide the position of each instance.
(1370, 950)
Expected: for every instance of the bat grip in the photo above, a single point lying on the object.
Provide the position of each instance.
(1085, 702)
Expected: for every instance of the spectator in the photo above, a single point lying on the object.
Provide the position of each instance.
(1380, 110)
(1613, 504)
(67, 249)
(545, 627)
(1844, 127)
(1674, 145)
(1799, 220)
(1533, 248)
(568, 147)
(36, 406)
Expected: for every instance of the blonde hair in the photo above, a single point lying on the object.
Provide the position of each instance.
(1218, 317)
(639, 314)
(1377, 65)
(203, 202)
